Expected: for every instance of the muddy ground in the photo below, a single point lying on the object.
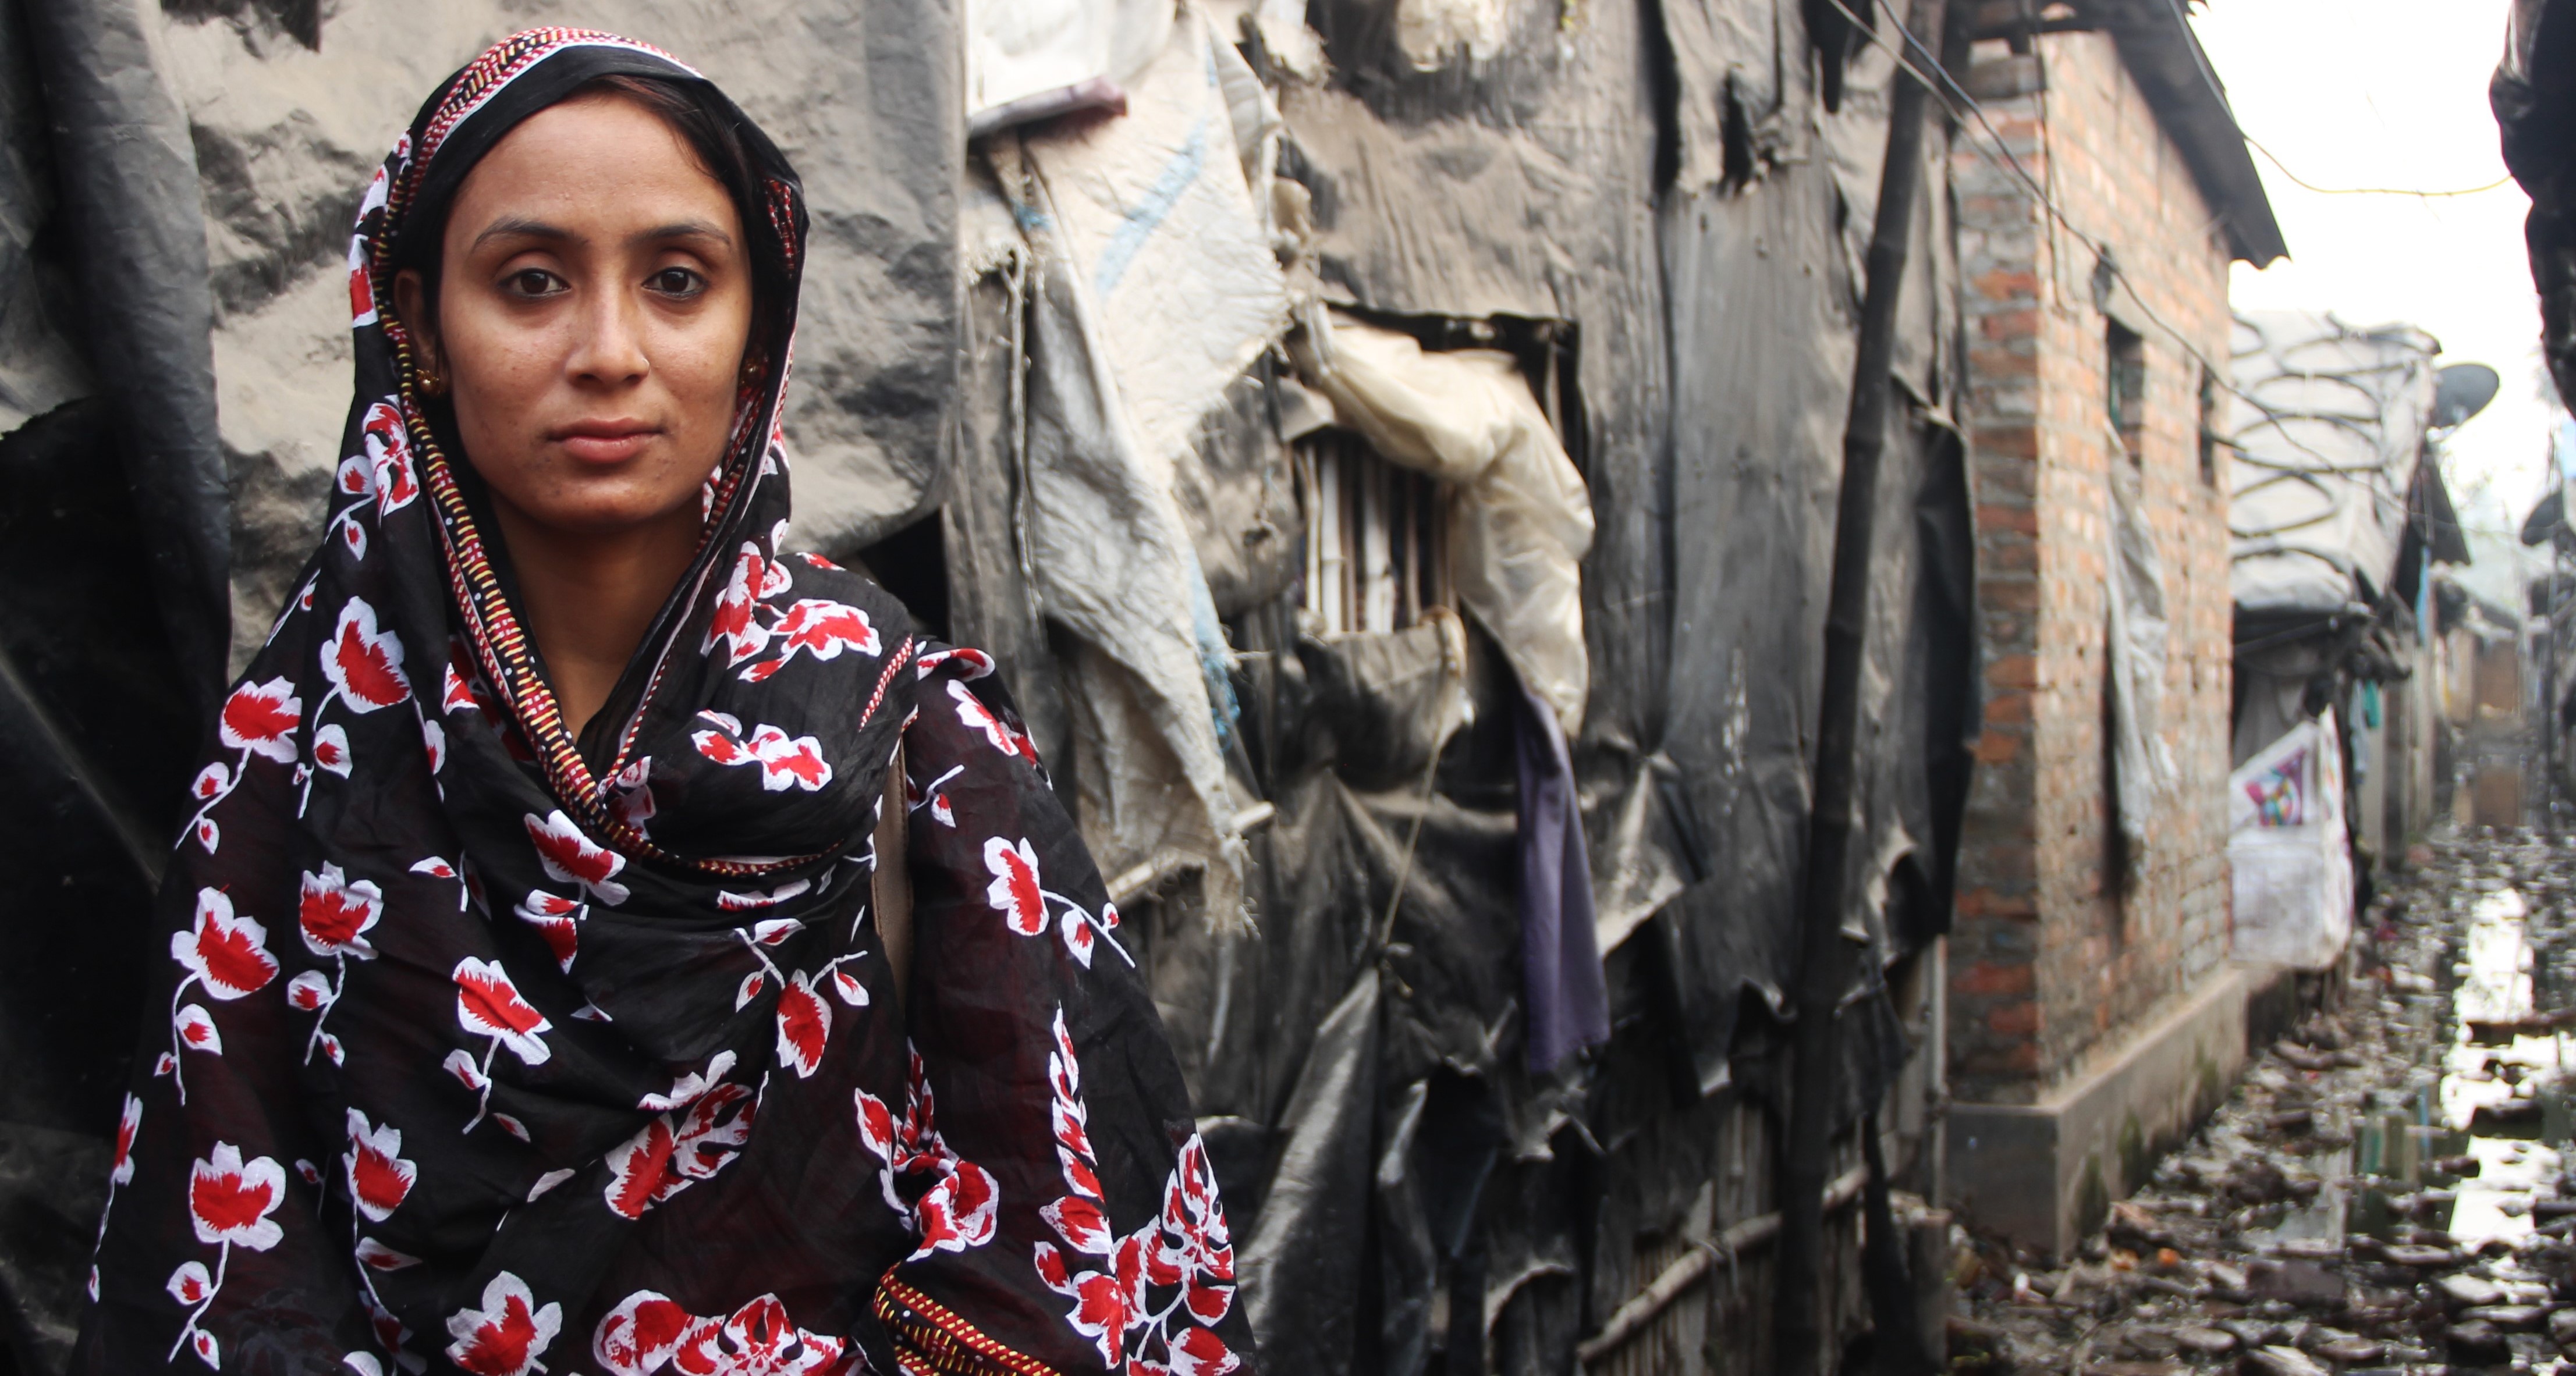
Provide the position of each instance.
(2385, 1189)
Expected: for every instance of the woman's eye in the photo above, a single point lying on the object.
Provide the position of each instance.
(533, 282)
(676, 282)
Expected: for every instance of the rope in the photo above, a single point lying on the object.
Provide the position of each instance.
(1451, 637)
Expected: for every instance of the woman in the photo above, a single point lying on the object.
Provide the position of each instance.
(536, 1001)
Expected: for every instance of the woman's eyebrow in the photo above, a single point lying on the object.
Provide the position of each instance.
(683, 229)
(521, 227)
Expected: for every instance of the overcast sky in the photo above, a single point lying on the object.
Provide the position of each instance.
(2393, 93)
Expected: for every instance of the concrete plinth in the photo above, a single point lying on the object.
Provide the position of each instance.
(2044, 1174)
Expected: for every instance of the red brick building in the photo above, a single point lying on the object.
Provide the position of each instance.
(2092, 1012)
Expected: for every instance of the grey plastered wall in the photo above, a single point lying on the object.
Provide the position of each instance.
(863, 98)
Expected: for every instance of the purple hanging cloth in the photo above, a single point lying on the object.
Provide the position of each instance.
(1561, 981)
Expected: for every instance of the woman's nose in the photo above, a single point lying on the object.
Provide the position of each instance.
(610, 346)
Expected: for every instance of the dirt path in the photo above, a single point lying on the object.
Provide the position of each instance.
(2382, 1192)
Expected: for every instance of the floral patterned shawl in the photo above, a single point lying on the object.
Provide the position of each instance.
(484, 1047)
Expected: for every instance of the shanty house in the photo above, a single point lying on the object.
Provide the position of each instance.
(2093, 1013)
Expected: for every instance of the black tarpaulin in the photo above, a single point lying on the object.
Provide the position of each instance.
(1363, 1054)
(1722, 942)
(2534, 98)
(95, 732)
(1715, 316)
(1757, 431)
(126, 175)
(113, 558)
(1304, 1292)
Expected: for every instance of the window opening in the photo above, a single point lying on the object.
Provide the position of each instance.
(2126, 384)
(1377, 547)
(2208, 426)
(1377, 550)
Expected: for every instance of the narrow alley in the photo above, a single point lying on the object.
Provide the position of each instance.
(2388, 1187)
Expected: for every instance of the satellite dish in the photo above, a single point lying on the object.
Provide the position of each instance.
(2461, 391)
(2548, 517)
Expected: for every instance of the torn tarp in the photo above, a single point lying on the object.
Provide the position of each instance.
(1386, 972)
(1113, 563)
(1155, 287)
(1115, 568)
(1301, 1287)
(1155, 213)
(2143, 767)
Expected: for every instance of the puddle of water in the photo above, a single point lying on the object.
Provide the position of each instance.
(2388, 1182)
(2494, 1065)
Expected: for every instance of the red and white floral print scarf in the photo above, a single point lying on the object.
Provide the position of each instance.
(483, 1052)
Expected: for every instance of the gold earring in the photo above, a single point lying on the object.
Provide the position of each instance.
(431, 384)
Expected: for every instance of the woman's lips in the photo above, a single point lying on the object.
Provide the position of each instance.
(605, 442)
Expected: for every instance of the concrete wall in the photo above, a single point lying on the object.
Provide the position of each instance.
(2097, 1139)
(2056, 954)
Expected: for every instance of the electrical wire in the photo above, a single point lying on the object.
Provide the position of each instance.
(1962, 106)
(2306, 185)
(2210, 79)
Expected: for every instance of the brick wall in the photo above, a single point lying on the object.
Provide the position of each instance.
(2053, 953)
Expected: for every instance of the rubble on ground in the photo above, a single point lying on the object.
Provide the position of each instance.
(2383, 1191)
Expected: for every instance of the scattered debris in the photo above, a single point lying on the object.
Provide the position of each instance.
(2382, 1192)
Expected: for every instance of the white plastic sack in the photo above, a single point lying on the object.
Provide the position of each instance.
(1157, 287)
(2289, 848)
(1523, 521)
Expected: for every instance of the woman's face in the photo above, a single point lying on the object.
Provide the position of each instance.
(593, 306)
